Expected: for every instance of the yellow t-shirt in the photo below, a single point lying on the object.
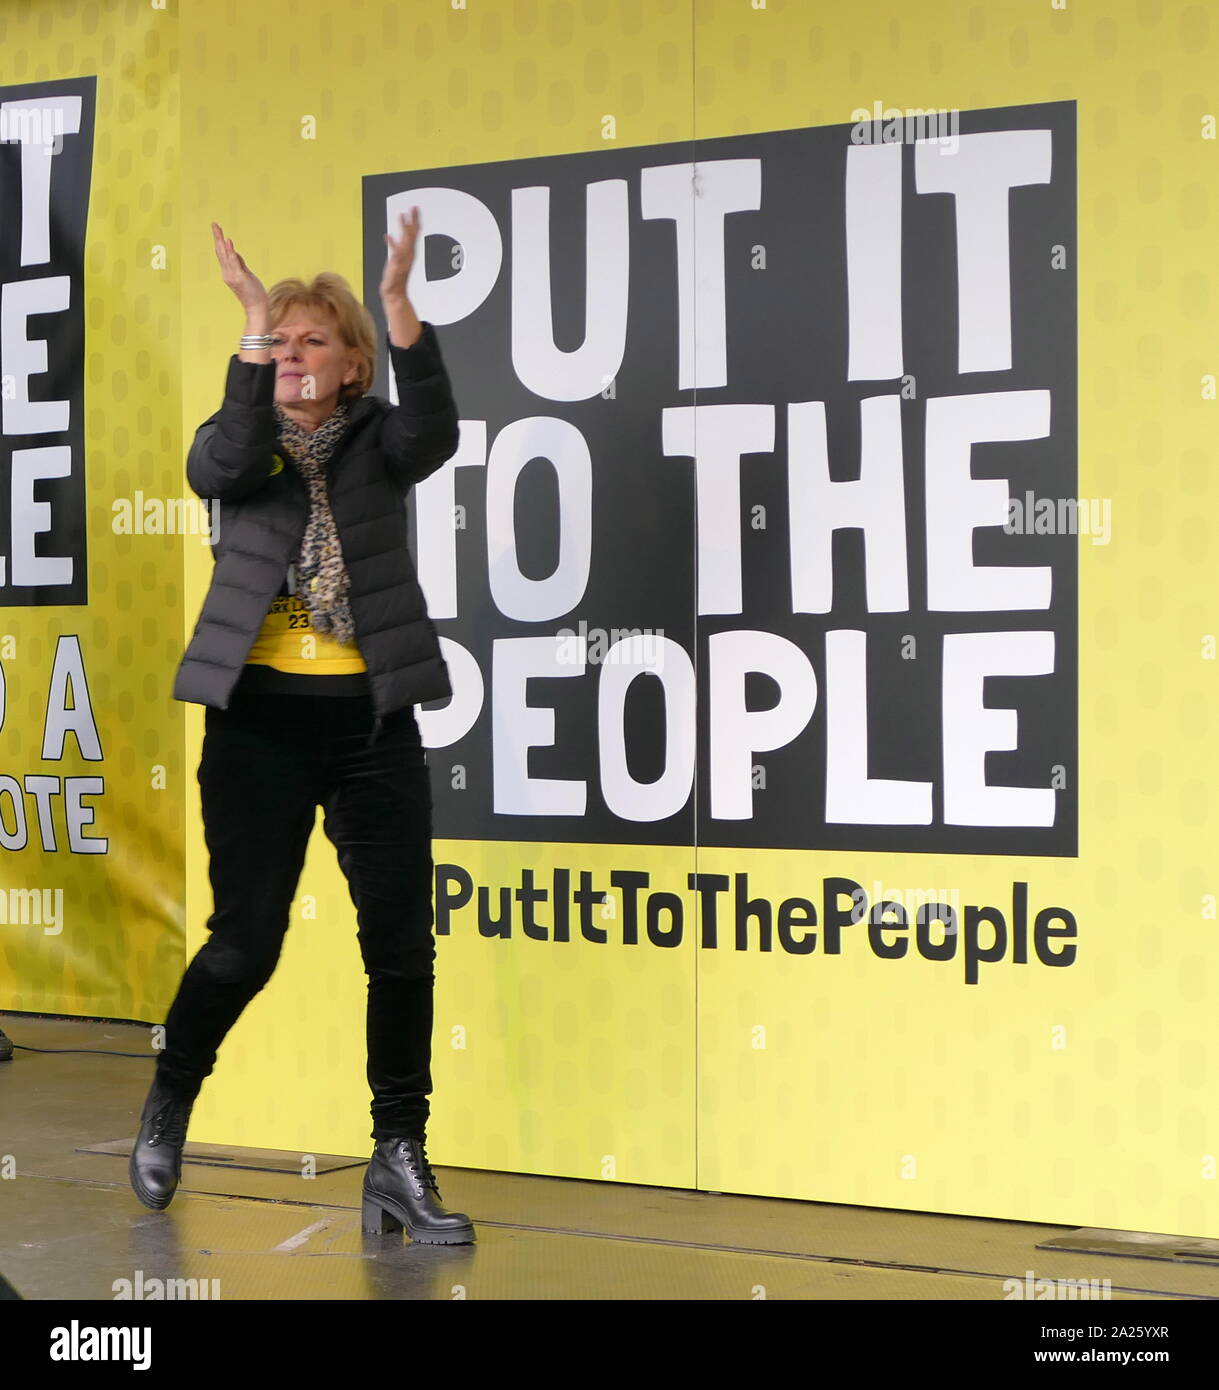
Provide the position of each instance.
(287, 641)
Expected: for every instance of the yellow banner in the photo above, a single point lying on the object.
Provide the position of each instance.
(1022, 1035)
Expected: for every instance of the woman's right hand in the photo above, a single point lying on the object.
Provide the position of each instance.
(237, 275)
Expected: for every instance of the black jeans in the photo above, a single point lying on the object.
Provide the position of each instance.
(268, 761)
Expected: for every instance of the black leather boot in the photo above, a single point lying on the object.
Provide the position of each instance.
(156, 1159)
(398, 1192)
(6, 1048)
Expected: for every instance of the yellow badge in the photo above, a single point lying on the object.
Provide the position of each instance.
(276, 466)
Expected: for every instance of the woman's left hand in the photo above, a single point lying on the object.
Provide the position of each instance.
(400, 257)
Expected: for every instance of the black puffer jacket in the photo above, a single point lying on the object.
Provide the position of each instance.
(263, 509)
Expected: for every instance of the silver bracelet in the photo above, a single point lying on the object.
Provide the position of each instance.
(256, 342)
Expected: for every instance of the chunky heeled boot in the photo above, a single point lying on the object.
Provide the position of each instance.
(156, 1159)
(398, 1191)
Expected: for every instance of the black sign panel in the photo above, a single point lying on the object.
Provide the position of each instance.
(764, 527)
(46, 164)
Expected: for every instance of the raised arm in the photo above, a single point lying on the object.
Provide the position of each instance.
(422, 432)
(232, 452)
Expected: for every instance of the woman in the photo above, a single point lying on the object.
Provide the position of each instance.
(312, 647)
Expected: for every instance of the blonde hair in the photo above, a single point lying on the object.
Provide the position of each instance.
(331, 295)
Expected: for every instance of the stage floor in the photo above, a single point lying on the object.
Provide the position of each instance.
(71, 1228)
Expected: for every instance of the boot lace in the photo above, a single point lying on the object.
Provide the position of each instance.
(169, 1123)
(416, 1150)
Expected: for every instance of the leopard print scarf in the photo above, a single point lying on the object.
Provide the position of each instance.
(321, 576)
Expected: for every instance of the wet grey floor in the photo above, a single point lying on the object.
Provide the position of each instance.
(70, 1226)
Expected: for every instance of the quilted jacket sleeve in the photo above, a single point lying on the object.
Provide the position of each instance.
(233, 451)
(421, 432)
